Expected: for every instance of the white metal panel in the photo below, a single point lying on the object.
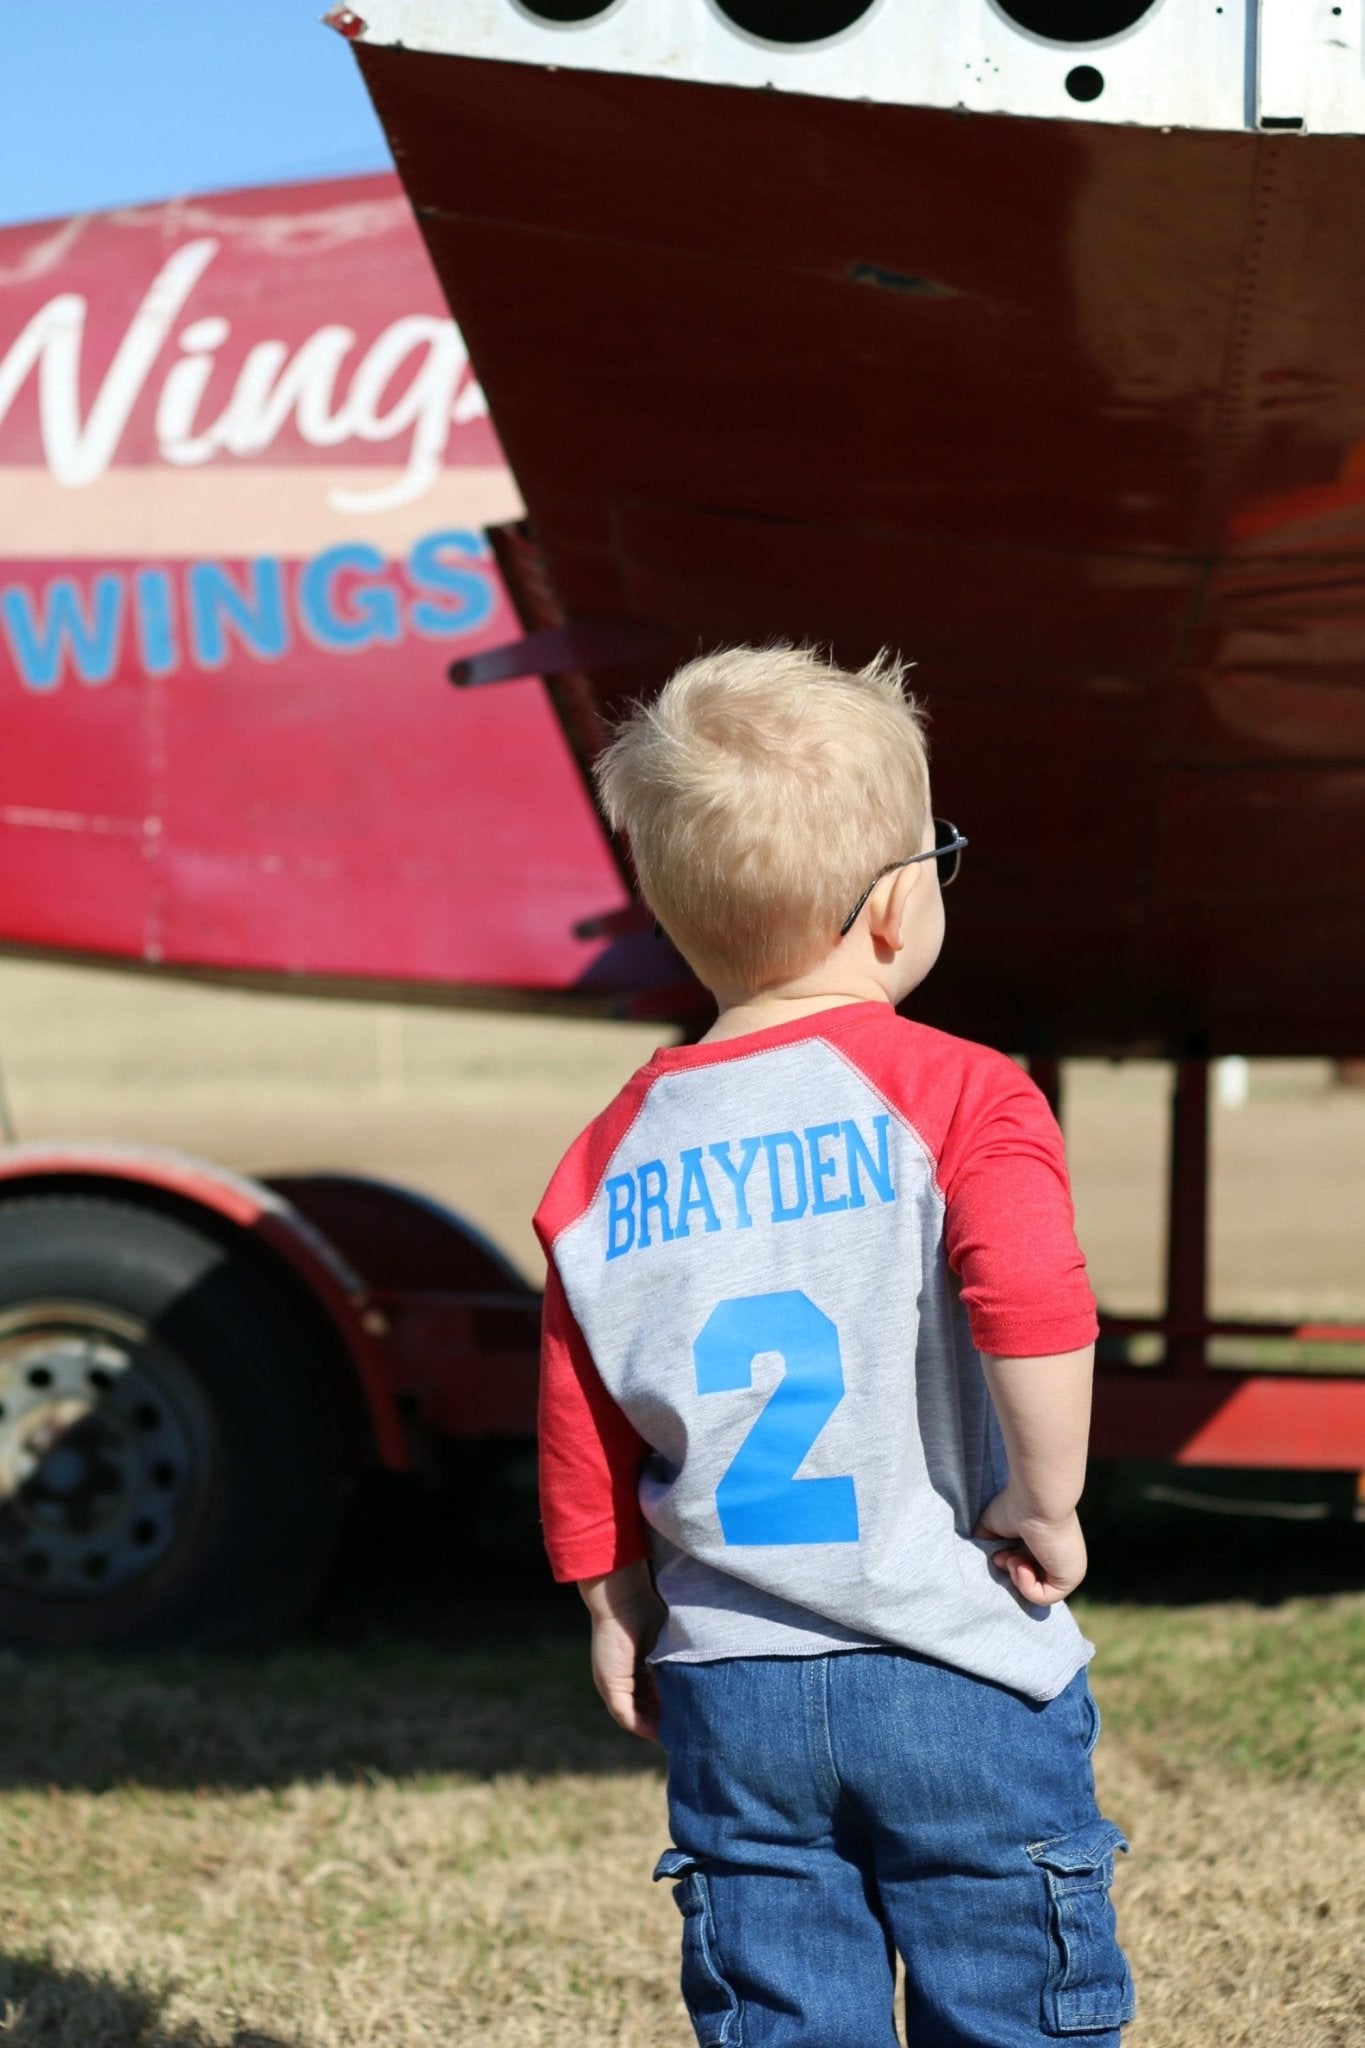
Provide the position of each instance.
(1184, 64)
(1283, 34)
(1310, 70)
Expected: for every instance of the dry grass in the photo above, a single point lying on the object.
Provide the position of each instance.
(1242, 1906)
(399, 1845)
(508, 1910)
(1233, 1754)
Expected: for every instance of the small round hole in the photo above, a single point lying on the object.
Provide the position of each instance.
(39, 1376)
(100, 1378)
(1085, 82)
(95, 1566)
(163, 1474)
(144, 1531)
(146, 1416)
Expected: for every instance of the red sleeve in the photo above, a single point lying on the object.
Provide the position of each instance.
(1011, 1234)
(590, 1455)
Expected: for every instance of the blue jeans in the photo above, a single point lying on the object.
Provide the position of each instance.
(829, 1811)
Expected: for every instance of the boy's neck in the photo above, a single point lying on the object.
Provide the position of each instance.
(892, 946)
(742, 1011)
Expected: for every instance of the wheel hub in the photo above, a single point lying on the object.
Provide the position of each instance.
(97, 1471)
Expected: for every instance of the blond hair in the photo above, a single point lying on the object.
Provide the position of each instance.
(760, 792)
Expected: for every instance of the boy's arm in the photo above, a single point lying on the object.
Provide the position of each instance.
(590, 1455)
(1043, 1406)
(1011, 1240)
(627, 1615)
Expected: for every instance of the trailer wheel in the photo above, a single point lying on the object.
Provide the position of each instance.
(170, 1462)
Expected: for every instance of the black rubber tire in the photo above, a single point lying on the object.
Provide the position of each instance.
(267, 1504)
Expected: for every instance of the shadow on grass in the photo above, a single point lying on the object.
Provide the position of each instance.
(1158, 1535)
(437, 1651)
(44, 2006)
(1162, 1536)
(428, 1655)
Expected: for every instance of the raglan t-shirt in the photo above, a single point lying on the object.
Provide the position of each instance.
(774, 1262)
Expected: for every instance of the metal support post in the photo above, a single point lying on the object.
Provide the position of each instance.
(1187, 1224)
(1047, 1072)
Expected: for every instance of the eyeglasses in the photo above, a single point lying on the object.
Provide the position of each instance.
(946, 851)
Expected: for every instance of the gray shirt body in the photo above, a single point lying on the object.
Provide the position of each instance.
(762, 1280)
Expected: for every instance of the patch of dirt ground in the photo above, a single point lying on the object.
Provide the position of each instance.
(477, 1108)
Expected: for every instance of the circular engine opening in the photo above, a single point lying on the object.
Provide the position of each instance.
(794, 21)
(1075, 21)
(564, 13)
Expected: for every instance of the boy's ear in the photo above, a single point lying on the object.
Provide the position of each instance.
(887, 906)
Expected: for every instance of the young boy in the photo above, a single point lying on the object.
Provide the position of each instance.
(817, 1357)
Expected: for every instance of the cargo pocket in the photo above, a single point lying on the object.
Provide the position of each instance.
(1089, 1989)
(712, 2006)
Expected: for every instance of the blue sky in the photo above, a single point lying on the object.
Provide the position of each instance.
(112, 102)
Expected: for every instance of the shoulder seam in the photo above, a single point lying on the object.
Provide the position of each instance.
(896, 1111)
(594, 1191)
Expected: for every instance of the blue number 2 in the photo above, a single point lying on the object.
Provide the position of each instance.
(760, 1499)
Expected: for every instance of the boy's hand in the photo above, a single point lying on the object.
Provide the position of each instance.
(627, 1615)
(1044, 1557)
